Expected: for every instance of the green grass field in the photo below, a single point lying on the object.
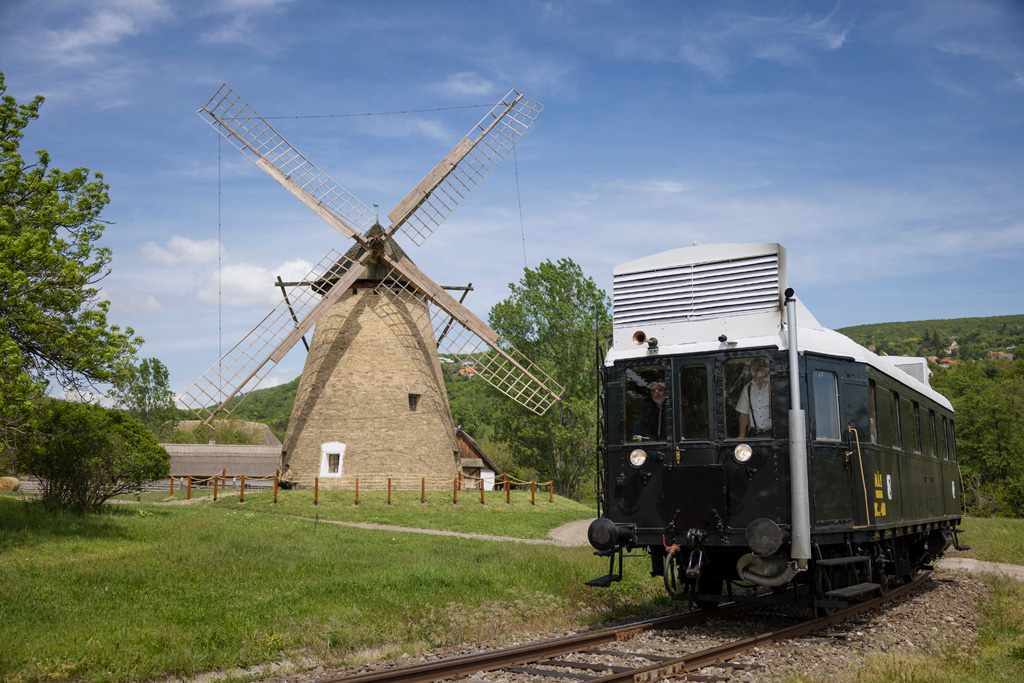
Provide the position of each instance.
(147, 590)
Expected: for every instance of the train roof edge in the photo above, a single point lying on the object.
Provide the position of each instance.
(714, 297)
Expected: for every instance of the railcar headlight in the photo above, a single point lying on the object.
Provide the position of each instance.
(638, 457)
(742, 452)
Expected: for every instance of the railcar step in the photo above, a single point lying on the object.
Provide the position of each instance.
(853, 591)
(832, 561)
(604, 581)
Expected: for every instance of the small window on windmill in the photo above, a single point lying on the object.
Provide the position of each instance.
(414, 401)
(331, 459)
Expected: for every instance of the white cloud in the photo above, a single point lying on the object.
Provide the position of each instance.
(109, 24)
(244, 285)
(180, 251)
(467, 83)
(242, 25)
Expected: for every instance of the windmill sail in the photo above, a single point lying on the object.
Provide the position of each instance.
(444, 188)
(418, 215)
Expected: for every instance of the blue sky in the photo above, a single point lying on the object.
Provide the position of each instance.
(880, 142)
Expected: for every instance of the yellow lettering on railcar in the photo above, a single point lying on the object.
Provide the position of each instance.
(880, 486)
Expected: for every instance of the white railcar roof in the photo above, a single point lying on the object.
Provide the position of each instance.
(693, 300)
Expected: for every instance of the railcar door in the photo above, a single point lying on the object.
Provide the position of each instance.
(830, 466)
(640, 441)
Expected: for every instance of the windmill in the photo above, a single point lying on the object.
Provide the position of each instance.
(380, 321)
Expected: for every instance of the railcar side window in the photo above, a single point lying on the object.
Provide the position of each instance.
(873, 410)
(693, 397)
(897, 423)
(929, 433)
(647, 404)
(826, 405)
(945, 439)
(952, 439)
(917, 428)
(748, 398)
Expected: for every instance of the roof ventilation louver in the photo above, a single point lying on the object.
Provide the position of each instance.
(705, 290)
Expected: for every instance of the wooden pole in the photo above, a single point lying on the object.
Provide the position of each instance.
(389, 490)
(277, 473)
(215, 479)
(455, 491)
(481, 490)
(241, 491)
(551, 491)
(189, 494)
(533, 492)
(460, 480)
(357, 490)
(508, 491)
(423, 490)
(172, 487)
(316, 490)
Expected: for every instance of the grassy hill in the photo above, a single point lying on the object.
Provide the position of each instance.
(974, 337)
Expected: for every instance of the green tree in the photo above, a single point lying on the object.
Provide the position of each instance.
(53, 327)
(145, 392)
(988, 397)
(554, 316)
(84, 454)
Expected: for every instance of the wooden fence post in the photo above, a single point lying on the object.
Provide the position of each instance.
(481, 490)
(357, 490)
(455, 491)
(423, 490)
(316, 490)
(533, 492)
(189, 494)
(241, 491)
(172, 487)
(215, 478)
(389, 490)
(551, 491)
(508, 493)
(277, 473)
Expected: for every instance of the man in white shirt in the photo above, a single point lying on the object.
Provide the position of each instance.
(755, 403)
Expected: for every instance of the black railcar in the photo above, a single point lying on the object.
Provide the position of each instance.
(744, 443)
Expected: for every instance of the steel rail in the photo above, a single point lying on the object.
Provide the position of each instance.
(723, 653)
(455, 667)
(458, 667)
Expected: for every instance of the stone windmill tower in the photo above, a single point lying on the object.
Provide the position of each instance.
(371, 402)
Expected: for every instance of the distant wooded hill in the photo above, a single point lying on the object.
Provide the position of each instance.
(957, 338)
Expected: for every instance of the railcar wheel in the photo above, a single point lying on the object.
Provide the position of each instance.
(669, 574)
(822, 587)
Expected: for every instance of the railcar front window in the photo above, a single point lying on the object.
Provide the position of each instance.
(748, 398)
(826, 405)
(693, 398)
(647, 403)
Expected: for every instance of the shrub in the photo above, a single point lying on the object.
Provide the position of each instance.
(84, 454)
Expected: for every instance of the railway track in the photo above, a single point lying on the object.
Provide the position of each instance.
(618, 654)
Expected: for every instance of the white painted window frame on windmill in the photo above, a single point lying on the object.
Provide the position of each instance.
(328, 453)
